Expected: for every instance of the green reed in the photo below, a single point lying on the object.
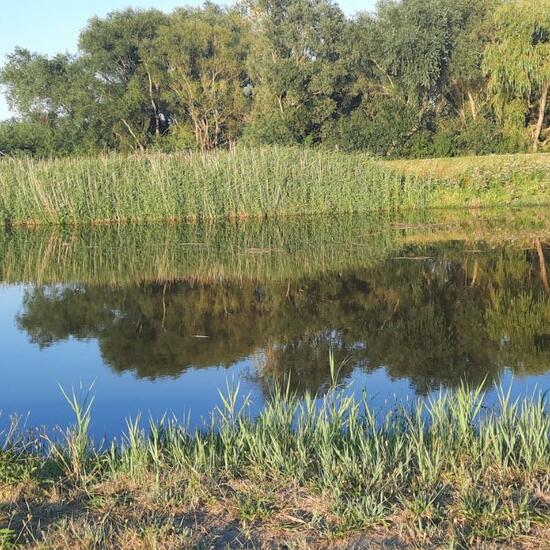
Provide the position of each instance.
(259, 182)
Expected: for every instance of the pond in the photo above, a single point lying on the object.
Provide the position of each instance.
(159, 319)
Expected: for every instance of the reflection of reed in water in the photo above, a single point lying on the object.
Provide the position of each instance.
(269, 250)
(205, 252)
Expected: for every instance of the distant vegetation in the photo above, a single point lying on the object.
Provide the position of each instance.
(416, 78)
(446, 472)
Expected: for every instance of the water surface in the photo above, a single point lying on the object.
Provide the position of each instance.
(160, 318)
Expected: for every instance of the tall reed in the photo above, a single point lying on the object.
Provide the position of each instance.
(262, 182)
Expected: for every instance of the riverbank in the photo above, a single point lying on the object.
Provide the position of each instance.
(262, 183)
(442, 473)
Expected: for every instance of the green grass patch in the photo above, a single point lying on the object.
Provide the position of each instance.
(493, 180)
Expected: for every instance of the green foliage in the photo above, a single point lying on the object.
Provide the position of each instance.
(7, 538)
(298, 66)
(129, 74)
(415, 78)
(204, 51)
(269, 129)
(518, 62)
(375, 128)
(25, 138)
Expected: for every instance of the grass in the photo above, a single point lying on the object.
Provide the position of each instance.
(263, 182)
(494, 180)
(329, 472)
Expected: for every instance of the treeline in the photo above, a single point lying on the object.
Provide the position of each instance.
(415, 78)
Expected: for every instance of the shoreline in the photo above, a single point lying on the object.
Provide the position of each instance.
(444, 472)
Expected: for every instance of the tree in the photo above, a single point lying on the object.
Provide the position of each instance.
(27, 138)
(57, 92)
(402, 56)
(467, 83)
(297, 66)
(204, 52)
(120, 51)
(518, 62)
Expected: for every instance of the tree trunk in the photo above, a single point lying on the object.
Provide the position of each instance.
(542, 113)
(542, 265)
(473, 107)
(132, 133)
(156, 113)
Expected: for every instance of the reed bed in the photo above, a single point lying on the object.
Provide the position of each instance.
(263, 182)
(326, 472)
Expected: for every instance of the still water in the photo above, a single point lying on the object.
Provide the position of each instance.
(159, 319)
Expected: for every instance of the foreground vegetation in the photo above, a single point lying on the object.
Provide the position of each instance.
(445, 472)
(260, 182)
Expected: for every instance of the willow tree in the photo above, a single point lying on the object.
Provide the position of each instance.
(518, 62)
(205, 50)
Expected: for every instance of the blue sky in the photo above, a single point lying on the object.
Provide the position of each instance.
(51, 26)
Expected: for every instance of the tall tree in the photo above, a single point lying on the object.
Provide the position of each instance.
(120, 50)
(298, 67)
(518, 62)
(58, 92)
(467, 83)
(407, 46)
(205, 52)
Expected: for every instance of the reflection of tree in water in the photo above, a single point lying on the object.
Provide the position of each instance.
(458, 316)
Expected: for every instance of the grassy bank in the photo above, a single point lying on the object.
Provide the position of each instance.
(444, 473)
(494, 180)
(264, 182)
